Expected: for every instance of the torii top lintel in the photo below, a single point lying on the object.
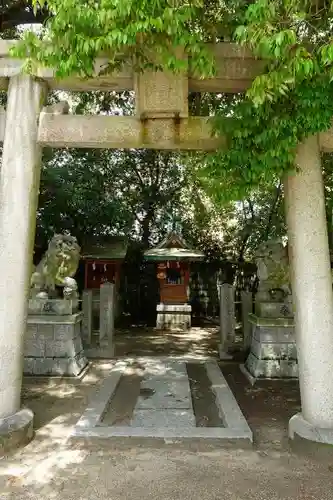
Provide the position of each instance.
(236, 67)
(161, 120)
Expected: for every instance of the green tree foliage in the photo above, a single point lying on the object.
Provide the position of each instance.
(77, 194)
(139, 193)
(327, 162)
(291, 100)
(92, 192)
(98, 192)
(148, 33)
(294, 36)
(232, 229)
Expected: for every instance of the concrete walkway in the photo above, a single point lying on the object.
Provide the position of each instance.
(52, 468)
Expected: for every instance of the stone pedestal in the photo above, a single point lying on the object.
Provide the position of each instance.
(53, 345)
(173, 316)
(276, 310)
(273, 348)
(56, 307)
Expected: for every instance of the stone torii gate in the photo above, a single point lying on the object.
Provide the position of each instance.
(161, 122)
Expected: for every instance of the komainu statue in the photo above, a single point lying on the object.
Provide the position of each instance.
(272, 262)
(57, 268)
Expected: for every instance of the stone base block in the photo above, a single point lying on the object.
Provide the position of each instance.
(273, 351)
(173, 316)
(55, 307)
(300, 427)
(271, 368)
(16, 430)
(274, 310)
(53, 346)
(223, 355)
(69, 367)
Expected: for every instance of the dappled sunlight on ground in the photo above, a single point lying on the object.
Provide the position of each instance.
(50, 398)
(267, 406)
(151, 342)
(43, 458)
(53, 467)
(57, 404)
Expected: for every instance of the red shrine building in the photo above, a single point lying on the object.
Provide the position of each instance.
(173, 259)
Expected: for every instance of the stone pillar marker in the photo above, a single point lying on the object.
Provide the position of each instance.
(311, 289)
(106, 315)
(87, 308)
(227, 319)
(19, 184)
(246, 300)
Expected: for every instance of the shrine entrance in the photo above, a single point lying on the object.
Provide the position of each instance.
(162, 121)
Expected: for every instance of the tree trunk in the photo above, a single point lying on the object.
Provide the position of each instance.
(329, 217)
(145, 224)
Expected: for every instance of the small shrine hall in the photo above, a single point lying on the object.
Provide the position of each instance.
(173, 259)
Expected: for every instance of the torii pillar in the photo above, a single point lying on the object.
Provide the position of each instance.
(19, 185)
(312, 293)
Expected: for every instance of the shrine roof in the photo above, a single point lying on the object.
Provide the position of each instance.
(113, 248)
(173, 254)
(173, 247)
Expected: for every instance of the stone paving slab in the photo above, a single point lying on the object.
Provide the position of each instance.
(164, 368)
(159, 393)
(156, 419)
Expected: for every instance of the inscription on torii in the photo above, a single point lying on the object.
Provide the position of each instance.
(162, 105)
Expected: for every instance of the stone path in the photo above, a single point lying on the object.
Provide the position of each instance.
(163, 409)
(53, 468)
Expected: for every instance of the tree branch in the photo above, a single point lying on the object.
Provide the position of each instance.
(138, 174)
(273, 208)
